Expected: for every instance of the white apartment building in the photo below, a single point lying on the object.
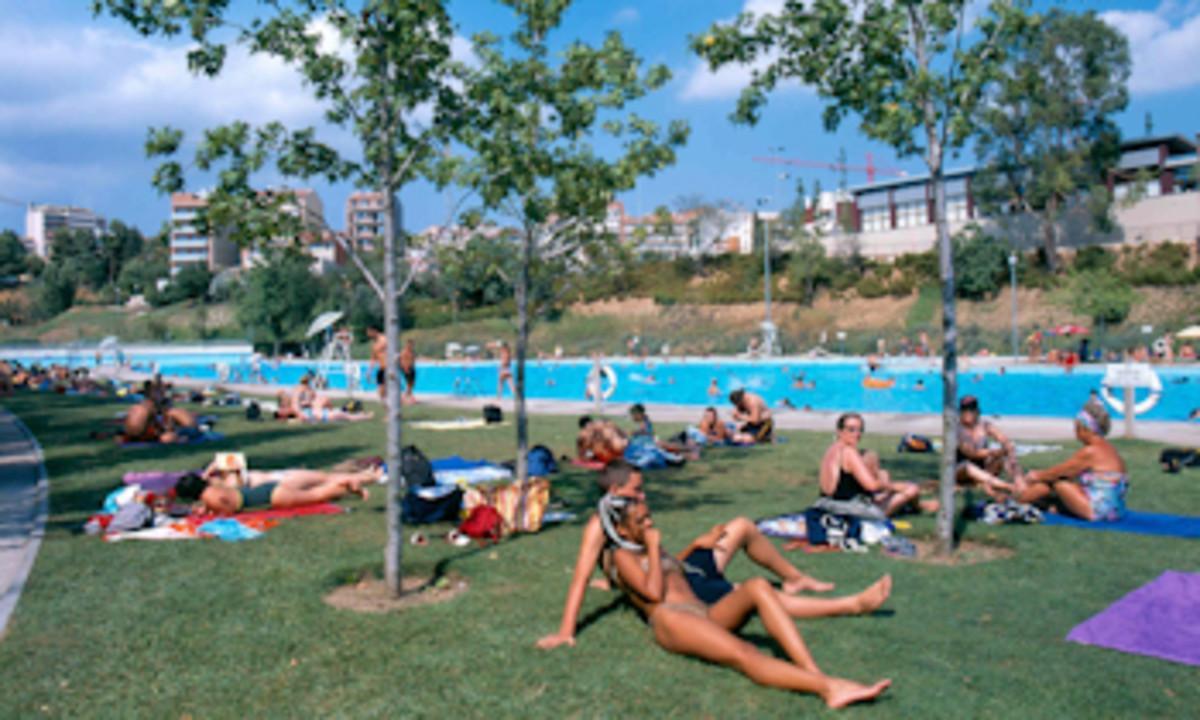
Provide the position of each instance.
(43, 221)
(188, 245)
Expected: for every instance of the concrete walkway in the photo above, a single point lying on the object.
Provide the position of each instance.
(1027, 428)
(24, 500)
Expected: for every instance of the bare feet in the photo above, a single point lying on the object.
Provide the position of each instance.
(355, 486)
(801, 584)
(873, 597)
(600, 584)
(844, 692)
(929, 507)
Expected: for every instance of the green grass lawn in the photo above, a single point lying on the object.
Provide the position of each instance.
(210, 629)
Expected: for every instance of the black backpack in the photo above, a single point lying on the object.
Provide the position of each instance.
(253, 411)
(492, 414)
(415, 467)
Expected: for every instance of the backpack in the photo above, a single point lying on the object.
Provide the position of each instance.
(354, 406)
(417, 510)
(492, 414)
(540, 461)
(253, 411)
(915, 443)
(483, 523)
(415, 467)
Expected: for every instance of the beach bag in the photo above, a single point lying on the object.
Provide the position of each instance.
(540, 461)
(826, 528)
(417, 510)
(415, 467)
(354, 406)
(483, 523)
(492, 414)
(521, 506)
(253, 411)
(915, 444)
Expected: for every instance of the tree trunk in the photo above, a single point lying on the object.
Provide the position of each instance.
(522, 293)
(392, 246)
(945, 520)
(1050, 234)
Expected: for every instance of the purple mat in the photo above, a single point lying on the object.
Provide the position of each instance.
(1160, 619)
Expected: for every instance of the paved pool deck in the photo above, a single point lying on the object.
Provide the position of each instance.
(24, 496)
(1026, 428)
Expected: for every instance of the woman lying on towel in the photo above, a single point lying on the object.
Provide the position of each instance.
(657, 585)
(223, 493)
(1092, 483)
(705, 561)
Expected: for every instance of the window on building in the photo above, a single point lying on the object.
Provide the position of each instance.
(876, 219)
(912, 214)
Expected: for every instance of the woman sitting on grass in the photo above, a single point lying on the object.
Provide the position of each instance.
(655, 582)
(1092, 483)
(847, 473)
(221, 492)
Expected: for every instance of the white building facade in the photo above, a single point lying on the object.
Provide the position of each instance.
(43, 221)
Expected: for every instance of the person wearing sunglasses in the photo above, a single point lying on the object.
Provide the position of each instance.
(847, 472)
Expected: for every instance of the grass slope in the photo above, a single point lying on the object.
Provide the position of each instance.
(209, 629)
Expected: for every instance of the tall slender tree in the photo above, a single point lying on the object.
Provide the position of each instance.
(1048, 139)
(533, 112)
(913, 72)
(377, 67)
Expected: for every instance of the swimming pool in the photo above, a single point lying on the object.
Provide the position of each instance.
(907, 385)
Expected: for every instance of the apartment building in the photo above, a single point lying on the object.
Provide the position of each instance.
(364, 218)
(188, 245)
(43, 221)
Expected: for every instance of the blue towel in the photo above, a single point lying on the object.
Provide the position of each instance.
(1140, 523)
(229, 530)
(454, 462)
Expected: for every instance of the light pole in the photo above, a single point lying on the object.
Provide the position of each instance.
(1012, 276)
(768, 327)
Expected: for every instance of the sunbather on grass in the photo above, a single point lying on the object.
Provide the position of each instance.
(658, 585)
(977, 463)
(153, 419)
(707, 557)
(275, 489)
(1092, 483)
(847, 473)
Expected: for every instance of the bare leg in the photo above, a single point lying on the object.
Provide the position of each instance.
(867, 601)
(903, 493)
(685, 634)
(287, 495)
(756, 594)
(742, 534)
(992, 485)
(1071, 495)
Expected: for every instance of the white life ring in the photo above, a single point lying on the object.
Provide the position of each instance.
(606, 372)
(1140, 408)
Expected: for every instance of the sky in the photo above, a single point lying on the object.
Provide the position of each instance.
(77, 94)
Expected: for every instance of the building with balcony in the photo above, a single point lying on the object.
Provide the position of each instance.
(43, 221)
(364, 219)
(188, 245)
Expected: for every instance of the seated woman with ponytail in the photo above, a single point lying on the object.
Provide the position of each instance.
(1092, 483)
(657, 585)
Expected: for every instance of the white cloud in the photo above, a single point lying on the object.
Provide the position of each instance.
(74, 79)
(727, 82)
(627, 16)
(1164, 44)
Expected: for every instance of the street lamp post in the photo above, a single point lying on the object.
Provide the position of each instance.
(1012, 276)
(768, 327)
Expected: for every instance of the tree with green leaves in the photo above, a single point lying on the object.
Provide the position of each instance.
(276, 302)
(913, 73)
(980, 264)
(1048, 140)
(119, 244)
(190, 283)
(382, 70)
(532, 115)
(12, 254)
(1105, 297)
(76, 253)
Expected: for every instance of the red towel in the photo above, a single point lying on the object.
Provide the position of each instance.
(262, 515)
(589, 464)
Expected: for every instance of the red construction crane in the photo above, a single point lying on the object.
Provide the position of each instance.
(871, 169)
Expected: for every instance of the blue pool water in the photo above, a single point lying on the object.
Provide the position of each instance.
(1036, 390)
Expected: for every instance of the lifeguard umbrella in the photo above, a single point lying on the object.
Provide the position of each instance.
(1070, 330)
(323, 322)
(1189, 333)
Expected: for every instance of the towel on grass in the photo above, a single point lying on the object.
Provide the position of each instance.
(1160, 619)
(1139, 523)
(456, 424)
(196, 439)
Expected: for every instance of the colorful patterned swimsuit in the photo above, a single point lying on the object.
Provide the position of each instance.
(1106, 491)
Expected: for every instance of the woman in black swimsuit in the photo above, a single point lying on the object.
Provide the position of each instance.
(847, 473)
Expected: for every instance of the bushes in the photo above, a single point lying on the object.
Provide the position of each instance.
(980, 265)
(1102, 296)
(1093, 258)
(870, 287)
(1164, 264)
